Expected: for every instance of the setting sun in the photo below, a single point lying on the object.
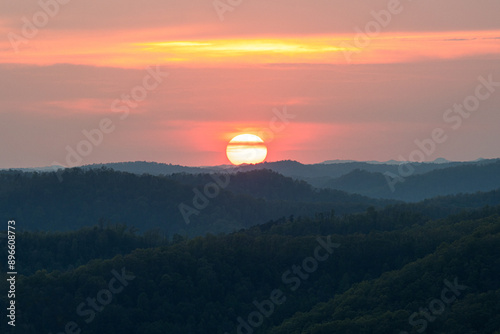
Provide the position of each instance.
(246, 149)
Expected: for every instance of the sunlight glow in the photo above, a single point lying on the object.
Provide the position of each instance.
(138, 51)
(246, 149)
(247, 46)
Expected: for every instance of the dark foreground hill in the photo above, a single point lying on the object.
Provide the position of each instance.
(287, 276)
(451, 290)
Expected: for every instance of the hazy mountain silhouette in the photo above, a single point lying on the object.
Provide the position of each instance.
(465, 178)
(153, 168)
(86, 196)
(295, 169)
(427, 180)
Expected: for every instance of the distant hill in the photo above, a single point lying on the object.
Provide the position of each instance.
(438, 178)
(467, 178)
(389, 162)
(315, 174)
(146, 202)
(153, 168)
(364, 178)
(308, 172)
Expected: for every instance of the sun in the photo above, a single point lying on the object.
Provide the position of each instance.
(246, 149)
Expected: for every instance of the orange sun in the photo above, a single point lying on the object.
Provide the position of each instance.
(246, 149)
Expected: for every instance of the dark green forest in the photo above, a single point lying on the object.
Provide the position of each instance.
(398, 181)
(148, 202)
(303, 261)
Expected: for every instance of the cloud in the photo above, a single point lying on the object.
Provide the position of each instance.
(295, 17)
(459, 39)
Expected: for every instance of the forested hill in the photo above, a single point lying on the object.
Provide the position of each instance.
(42, 202)
(467, 178)
(454, 289)
(270, 185)
(370, 276)
(405, 182)
(314, 173)
(152, 168)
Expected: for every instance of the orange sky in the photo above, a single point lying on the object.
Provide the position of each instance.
(137, 50)
(351, 97)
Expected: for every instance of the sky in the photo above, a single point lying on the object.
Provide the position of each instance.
(173, 81)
